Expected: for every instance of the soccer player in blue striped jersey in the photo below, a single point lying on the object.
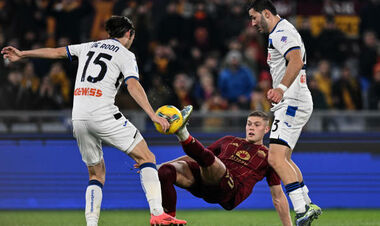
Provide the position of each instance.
(291, 99)
(103, 66)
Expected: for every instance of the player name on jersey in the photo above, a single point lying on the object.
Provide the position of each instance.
(105, 46)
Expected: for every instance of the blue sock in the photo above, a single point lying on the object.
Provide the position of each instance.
(292, 186)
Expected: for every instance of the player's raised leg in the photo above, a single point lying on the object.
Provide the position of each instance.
(94, 193)
(151, 184)
(212, 169)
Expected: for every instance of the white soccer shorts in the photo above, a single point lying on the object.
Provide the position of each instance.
(289, 119)
(119, 133)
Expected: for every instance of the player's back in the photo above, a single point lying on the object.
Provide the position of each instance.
(102, 68)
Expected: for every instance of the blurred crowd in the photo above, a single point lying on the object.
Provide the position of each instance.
(203, 53)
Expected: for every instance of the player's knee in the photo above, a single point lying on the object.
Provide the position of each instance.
(167, 173)
(273, 160)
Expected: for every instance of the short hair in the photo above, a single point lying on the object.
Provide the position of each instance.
(117, 26)
(260, 5)
(259, 114)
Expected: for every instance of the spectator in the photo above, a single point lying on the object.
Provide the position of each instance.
(374, 90)
(159, 93)
(324, 81)
(319, 99)
(48, 98)
(236, 81)
(61, 83)
(332, 42)
(347, 94)
(29, 80)
(12, 93)
(368, 55)
(182, 91)
(204, 88)
(259, 100)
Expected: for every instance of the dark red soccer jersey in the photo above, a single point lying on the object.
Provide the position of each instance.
(246, 162)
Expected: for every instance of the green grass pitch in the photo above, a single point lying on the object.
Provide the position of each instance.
(331, 217)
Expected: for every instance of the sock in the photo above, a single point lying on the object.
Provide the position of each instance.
(168, 176)
(305, 193)
(195, 150)
(182, 134)
(152, 188)
(295, 193)
(93, 202)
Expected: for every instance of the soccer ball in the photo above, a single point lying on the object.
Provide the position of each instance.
(174, 117)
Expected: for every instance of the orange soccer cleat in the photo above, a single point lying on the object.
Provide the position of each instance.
(166, 219)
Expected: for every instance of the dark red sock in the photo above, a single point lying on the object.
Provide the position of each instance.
(195, 150)
(168, 176)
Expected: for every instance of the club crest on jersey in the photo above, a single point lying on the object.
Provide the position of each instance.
(235, 144)
(284, 39)
(261, 154)
(243, 154)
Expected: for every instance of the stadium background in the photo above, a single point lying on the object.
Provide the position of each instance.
(184, 51)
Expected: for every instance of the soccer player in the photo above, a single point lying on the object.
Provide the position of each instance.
(226, 171)
(103, 66)
(292, 102)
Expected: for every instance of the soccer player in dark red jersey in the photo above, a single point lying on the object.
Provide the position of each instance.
(226, 171)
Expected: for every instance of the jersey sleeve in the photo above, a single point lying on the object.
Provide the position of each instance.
(75, 50)
(285, 41)
(272, 177)
(216, 147)
(128, 66)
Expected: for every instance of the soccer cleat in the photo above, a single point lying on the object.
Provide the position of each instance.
(185, 112)
(165, 219)
(317, 210)
(305, 218)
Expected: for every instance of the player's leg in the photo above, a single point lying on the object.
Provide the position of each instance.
(122, 134)
(151, 183)
(170, 174)
(300, 178)
(279, 162)
(91, 151)
(148, 175)
(285, 132)
(212, 169)
(94, 192)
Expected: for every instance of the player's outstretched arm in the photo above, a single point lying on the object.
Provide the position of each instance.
(138, 93)
(281, 204)
(13, 54)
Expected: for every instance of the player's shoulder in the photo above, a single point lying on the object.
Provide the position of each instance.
(283, 27)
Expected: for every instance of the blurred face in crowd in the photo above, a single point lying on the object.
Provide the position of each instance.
(255, 129)
(258, 20)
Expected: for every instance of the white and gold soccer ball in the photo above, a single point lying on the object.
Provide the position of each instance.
(174, 117)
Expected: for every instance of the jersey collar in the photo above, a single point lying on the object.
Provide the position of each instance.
(115, 40)
(276, 25)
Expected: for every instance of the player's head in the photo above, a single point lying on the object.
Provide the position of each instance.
(119, 27)
(257, 126)
(260, 11)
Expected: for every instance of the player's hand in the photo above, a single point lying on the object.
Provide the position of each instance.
(164, 123)
(275, 95)
(11, 53)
